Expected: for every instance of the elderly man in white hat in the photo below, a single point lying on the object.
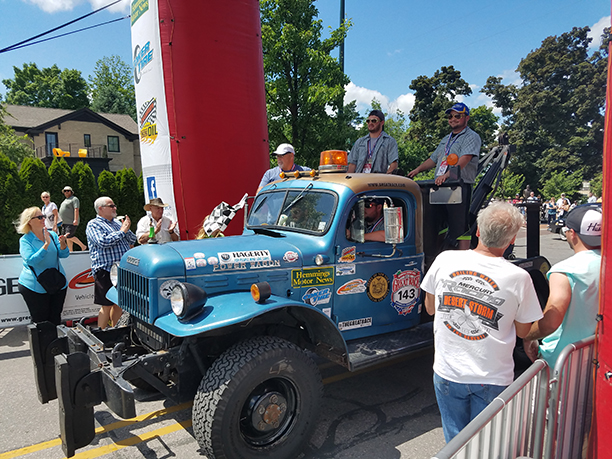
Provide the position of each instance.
(164, 227)
(285, 155)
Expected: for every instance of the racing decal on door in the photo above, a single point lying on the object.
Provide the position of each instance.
(348, 255)
(405, 290)
(352, 287)
(378, 287)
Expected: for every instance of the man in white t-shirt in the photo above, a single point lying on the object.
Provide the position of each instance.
(481, 303)
(164, 227)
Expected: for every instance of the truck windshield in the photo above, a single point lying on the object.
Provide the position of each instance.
(296, 210)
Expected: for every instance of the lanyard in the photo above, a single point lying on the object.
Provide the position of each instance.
(450, 144)
(375, 224)
(371, 149)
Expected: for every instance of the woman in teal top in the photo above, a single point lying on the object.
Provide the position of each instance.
(40, 249)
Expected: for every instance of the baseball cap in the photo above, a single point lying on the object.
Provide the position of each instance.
(586, 221)
(67, 188)
(378, 114)
(459, 108)
(283, 149)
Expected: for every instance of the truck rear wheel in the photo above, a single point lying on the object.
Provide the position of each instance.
(259, 399)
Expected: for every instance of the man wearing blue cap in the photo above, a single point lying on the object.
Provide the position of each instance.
(465, 143)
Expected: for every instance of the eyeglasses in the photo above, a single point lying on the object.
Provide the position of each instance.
(112, 206)
(38, 217)
(374, 121)
(457, 117)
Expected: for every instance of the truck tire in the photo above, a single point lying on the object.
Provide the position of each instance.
(259, 399)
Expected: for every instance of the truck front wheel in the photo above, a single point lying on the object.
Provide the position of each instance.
(259, 399)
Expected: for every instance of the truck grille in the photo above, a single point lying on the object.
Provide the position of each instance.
(134, 294)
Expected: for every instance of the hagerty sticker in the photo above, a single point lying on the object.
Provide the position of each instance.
(245, 256)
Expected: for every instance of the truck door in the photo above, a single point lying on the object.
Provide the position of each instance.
(376, 290)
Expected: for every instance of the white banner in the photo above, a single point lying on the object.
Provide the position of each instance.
(79, 298)
(151, 105)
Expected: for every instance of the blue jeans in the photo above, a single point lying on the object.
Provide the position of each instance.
(460, 403)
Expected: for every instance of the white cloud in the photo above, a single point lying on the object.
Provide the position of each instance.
(597, 30)
(53, 6)
(364, 97)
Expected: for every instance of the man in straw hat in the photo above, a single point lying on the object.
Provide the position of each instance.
(164, 227)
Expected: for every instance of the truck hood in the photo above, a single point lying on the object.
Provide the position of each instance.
(237, 253)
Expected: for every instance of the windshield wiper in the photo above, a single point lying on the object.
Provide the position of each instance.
(297, 198)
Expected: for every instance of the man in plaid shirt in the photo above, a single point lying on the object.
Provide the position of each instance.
(108, 240)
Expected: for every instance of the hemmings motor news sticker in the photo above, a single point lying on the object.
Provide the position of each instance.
(290, 256)
(405, 288)
(348, 255)
(312, 277)
(355, 323)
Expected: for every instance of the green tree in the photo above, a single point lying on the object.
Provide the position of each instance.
(128, 197)
(11, 205)
(562, 182)
(303, 82)
(107, 185)
(35, 178)
(555, 117)
(112, 87)
(484, 122)
(511, 185)
(60, 176)
(433, 96)
(49, 87)
(15, 147)
(85, 188)
(596, 185)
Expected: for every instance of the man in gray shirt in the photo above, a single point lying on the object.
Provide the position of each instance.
(69, 215)
(375, 152)
(464, 143)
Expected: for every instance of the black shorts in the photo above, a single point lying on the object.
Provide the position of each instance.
(69, 230)
(102, 286)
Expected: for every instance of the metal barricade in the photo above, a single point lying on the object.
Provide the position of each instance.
(512, 425)
(571, 394)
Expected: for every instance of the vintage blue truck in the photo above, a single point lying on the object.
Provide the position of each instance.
(236, 320)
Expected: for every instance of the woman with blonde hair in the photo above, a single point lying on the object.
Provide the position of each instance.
(50, 212)
(41, 250)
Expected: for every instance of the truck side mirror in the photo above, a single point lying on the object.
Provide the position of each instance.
(394, 225)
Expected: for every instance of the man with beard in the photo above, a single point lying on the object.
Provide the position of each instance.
(375, 152)
(464, 143)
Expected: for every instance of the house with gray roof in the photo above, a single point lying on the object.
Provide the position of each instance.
(103, 140)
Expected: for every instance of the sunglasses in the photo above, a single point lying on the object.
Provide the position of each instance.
(457, 117)
(39, 217)
(372, 121)
(369, 204)
(112, 206)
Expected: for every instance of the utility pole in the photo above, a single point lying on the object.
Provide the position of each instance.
(341, 57)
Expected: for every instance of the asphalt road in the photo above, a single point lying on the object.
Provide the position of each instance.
(388, 411)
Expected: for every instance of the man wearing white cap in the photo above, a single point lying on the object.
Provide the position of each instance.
(164, 227)
(285, 155)
(571, 310)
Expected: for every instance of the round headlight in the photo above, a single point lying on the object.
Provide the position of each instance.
(177, 300)
(114, 274)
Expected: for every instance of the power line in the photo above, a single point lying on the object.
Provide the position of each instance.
(17, 46)
(21, 44)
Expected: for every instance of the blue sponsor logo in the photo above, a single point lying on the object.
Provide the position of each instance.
(314, 296)
(151, 187)
(142, 57)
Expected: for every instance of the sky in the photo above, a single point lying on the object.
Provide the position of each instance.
(390, 43)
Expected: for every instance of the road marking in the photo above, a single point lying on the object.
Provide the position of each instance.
(115, 446)
(106, 428)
